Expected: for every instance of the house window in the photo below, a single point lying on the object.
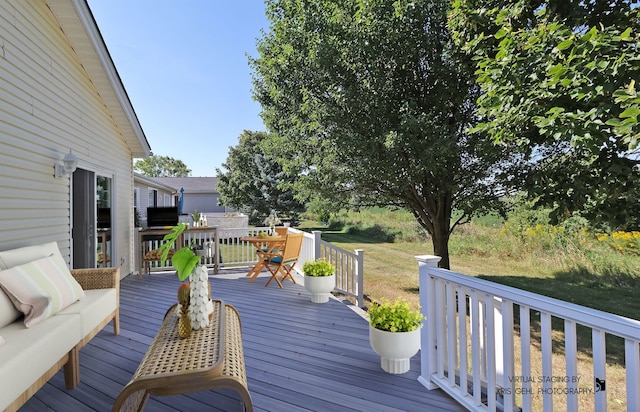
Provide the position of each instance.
(167, 200)
(153, 198)
(136, 197)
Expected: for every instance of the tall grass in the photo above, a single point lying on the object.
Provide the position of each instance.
(568, 263)
(521, 246)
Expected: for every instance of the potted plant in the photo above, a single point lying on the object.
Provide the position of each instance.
(319, 279)
(187, 265)
(394, 334)
(195, 216)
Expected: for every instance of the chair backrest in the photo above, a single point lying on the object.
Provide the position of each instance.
(282, 231)
(292, 246)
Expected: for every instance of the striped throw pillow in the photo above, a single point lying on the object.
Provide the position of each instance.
(40, 288)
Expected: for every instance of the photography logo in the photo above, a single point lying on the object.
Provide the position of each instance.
(600, 385)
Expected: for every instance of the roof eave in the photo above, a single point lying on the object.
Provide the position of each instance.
(79, 25)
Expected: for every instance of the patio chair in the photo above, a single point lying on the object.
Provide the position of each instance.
(283, 261)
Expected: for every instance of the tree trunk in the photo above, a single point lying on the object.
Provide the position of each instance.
(440, 241)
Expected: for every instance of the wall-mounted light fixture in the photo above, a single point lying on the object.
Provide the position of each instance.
(68, 165)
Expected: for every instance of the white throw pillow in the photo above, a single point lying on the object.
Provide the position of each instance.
(8, 312)
(40, 288)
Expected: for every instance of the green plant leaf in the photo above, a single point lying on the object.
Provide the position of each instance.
(631, 111)
(170, 240)
(184, 261)
(564, 44)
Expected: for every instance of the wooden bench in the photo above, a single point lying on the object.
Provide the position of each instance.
(211, 358)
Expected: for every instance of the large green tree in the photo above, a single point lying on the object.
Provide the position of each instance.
(558, 78)
(255, 183)
(161, 166)
(371, 102)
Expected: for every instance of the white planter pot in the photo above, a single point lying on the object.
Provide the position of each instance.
(395, 348)
(320, 287)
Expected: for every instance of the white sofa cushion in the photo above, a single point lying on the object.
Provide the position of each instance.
(40, 288)
(19, 256)
(30, 352)
(95, 308)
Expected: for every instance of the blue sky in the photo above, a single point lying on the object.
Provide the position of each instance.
(185, 68)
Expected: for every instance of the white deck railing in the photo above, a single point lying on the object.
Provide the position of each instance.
(349, 266)
(472, 357)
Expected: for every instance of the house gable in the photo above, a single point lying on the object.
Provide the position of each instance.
(53, 99)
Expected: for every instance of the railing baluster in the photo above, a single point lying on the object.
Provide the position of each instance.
(440, 327)
(491, 354)
(507, 355)
(632, 357)
(571, 360)
(462, 342)
(452, 340)
(476, 359)
(599, 347)
(547, 367)
(525, 354)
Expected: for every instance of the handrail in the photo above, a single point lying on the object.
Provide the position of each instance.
(489, 331)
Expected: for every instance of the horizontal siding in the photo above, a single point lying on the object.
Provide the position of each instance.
(49, 105)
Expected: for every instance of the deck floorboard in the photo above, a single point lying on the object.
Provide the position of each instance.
(299, 356)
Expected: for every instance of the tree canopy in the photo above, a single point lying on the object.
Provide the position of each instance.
(371, 102)
(255, 183)
(560, 69)
(161, 166)
(558, 79)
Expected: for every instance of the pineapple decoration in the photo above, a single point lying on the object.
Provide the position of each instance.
(200, 301)
(184, 321)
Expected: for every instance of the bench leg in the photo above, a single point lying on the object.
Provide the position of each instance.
(116, 323)
(72, 369)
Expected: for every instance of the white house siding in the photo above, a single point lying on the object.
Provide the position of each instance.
(202, 202)
(48, 105)
(145, 185)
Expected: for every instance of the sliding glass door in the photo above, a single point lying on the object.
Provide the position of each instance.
(92, 219)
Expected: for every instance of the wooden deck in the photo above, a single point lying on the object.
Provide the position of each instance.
(299, 356)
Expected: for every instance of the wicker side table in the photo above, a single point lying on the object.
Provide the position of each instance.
(210, 358)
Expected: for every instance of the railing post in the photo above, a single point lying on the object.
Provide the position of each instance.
(360, 276)
(428, 348)
(316, 243)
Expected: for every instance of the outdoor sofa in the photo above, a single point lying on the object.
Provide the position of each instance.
(62, 316)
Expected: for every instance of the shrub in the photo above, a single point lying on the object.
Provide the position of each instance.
(623, 242)
(317, 268)
(394, 316)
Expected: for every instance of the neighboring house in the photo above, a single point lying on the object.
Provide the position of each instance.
(148, 192)
(60, 91)
(200, 193)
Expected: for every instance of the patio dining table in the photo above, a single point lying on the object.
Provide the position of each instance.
(265, 246)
